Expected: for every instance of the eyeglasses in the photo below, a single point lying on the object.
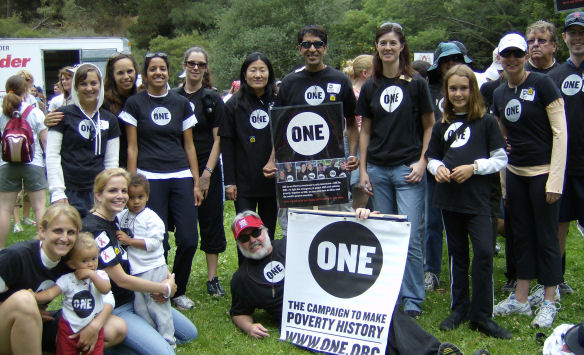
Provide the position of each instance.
(308, 44)
(244, 238)
(517, 53)
(191, 64)
(156, 54)
(541, 41)
(393, 24)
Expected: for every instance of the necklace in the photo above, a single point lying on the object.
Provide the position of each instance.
(101, 215)
(515, 86)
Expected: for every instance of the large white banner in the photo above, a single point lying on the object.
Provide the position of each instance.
(343, 277)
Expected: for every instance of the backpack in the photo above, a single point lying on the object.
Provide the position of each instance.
(18, 139)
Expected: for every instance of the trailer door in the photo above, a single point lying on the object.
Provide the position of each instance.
(53, 60)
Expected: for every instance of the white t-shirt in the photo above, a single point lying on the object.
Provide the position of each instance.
(36, 120)
(82, 299)
(148, 226)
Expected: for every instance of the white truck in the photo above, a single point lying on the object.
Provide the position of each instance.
(44, 57)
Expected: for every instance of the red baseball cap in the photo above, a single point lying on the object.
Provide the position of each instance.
(244, 223)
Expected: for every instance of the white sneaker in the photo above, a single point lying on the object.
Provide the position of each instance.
(545, 315)
(431, 281)
(183, 302)
(17, 228)
(537, 295)
(580, 228)
(510, 305)
(29, 221)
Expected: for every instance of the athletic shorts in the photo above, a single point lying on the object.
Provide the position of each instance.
(14, 176)
(572, 203)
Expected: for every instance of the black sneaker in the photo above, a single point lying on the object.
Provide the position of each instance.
(565, 289)
(454, 320)
(214, 288)
(449, 349)
(509, 286)
(492, 329)
(413, 313)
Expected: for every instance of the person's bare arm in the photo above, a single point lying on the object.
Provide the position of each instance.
(132, 137)
(46, 296)
(246, 324)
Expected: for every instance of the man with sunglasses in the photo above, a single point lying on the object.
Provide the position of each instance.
(568, 77)
(252, 287)
(542, 41)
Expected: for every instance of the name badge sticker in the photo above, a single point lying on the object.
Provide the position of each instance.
(333, 88)
(527, 94)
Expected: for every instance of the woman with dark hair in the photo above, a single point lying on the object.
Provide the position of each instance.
(209, 110)
(159, 126)
(119, 84)
(83, 143)
(65, 79)
(246, 141)
(396, 127)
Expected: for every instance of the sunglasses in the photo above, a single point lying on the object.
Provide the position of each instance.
(244, 238)
(308, 44)
(192, 64)
(393, 24)
(517, 53)
(156, 54)
(119, 54)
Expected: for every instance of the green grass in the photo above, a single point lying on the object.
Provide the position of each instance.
(218, 335)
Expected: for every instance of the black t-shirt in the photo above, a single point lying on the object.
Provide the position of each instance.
(311, 174)
(209, 110)
(395, 107)
(569, 79)
(476, 141)
(247, 127)
(251, 287)
(531, 68)
(160, 124)
(487, 91)
(123, 160)
(110, 252)
(522, 112)
(21, 268)
(437, 92)
(82, 148)
(314, 88)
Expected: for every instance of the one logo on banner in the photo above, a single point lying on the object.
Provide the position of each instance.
(307, 133)
(314, 95)
(83, 303)
(345, 259)
(513, 110)
(161, 116)
(461, 138)
(259, 119)
(311, 176)
(86, 129)
(391, 98)
(274, 272)
(572, 85)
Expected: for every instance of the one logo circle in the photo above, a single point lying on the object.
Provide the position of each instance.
(86, 129)
(83, 303)
(440, 103)
(307, 133)
(391, 98)
(513, 110)
(314, 95)
(311, 176)
(333, 173)
(345, 259)
(289, 178)
(192, 106)
(572, 85)
(462, 137)
(161, 116)
(274, 272)
(259, 119)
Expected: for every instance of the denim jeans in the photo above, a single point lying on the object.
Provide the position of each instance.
(392, 194)
(144, 340)
(433, 239)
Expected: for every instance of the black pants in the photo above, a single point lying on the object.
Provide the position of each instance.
(210, 215)
(173, 199)
(511, 268)
(458, 227)
(267, 208)
(407, 337)
(535, 229)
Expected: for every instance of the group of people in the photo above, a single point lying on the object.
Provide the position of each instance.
(398, 125)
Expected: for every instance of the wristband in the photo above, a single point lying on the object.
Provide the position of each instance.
(475, 168)
(351, 156)
(169, 291)
(209, 170)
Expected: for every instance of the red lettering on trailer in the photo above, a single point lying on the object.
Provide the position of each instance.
(9, 62)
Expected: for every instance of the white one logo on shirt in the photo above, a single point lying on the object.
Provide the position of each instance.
(314, 95)
(86, 129)
(161, 116)
(440, 103)
(391, 98)
(192, 106)
(513, 110)
(307, 133)
(274, 272)
(572, 85)
(462, 137)
(259, 119)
